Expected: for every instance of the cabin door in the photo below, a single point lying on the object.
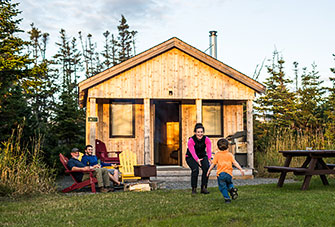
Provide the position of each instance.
(167, 136)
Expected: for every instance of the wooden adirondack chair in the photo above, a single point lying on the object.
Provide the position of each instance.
(128, 160)
(102, 154)
(76, 184)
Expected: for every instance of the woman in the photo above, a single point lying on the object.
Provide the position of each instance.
(199, 154)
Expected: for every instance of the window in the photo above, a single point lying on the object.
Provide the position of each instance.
(212, 119)
(122, 123)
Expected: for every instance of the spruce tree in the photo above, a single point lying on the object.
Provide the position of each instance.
(277, 105)
(310, 99)
(133, 34)
(90, 51)
(125, 40)
(69, 120)
(93, 65)
(14, 68)
(13, 61)
(68, 57)
(330, 110)
(110, 50)
(106, 52)
(41, 97)
(114, 45)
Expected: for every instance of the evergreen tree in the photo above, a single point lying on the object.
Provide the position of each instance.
(14, 77)
(295, 64)
(106, 52)
(277, 105)
(68, 57)
(92, 62)
(69, 121)
(330, 110)
(125, 40)
(41, 97)
(114, 45)
(309, 114)
(133, 34)
(110, 51)
(13, 63)
(99, 66)
(275, 110)
(84, 54)
(90, 51)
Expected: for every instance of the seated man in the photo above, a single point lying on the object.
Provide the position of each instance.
(91, 160)
(101, 174)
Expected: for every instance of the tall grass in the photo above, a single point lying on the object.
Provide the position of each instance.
(287, 139)
(22, 171)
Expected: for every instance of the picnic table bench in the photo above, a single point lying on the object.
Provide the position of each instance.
(313, 165)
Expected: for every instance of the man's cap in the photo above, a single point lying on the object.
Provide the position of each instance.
(74, 150)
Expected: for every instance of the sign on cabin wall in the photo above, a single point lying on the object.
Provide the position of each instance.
(92, 119)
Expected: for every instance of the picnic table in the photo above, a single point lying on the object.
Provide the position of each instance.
(313, 165)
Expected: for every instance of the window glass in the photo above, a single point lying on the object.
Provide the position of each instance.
(212, 118)
(122, 119)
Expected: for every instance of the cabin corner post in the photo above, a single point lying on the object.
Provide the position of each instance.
(147, 157)
(198, 103)
(250, 137)
(92, 125)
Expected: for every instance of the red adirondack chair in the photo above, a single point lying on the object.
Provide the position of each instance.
(102, 154)
(77, 184)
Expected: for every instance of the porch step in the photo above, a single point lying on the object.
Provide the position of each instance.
(184, 174)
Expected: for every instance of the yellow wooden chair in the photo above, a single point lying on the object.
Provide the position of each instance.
(128, 160)
(80, 156)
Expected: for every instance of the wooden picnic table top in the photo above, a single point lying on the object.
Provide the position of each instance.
(323, 153)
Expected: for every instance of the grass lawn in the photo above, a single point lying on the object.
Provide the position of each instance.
(258, 205)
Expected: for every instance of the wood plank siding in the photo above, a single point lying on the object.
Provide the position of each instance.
(119, 144)
(169, 76)
(188, 122)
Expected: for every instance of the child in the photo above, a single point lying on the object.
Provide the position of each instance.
(224, 173)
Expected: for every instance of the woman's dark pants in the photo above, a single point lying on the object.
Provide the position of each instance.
(195, 171)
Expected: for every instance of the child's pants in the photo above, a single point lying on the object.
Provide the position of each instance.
(225, 182)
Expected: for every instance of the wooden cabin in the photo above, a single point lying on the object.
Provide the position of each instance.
(150, 103)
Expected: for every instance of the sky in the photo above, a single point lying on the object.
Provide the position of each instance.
(248, 30)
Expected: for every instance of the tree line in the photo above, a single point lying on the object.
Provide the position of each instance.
(39, 93)
(301, 106)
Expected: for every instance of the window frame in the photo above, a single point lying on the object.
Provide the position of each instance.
(121, 102)
(214, 103)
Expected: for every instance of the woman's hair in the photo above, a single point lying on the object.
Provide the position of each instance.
(198, 125)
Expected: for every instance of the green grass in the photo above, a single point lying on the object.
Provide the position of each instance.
(258, 205)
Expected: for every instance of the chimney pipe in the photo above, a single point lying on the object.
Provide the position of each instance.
(212, 44)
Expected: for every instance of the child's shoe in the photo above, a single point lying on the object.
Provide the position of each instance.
(227, 201)
(233, 193)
